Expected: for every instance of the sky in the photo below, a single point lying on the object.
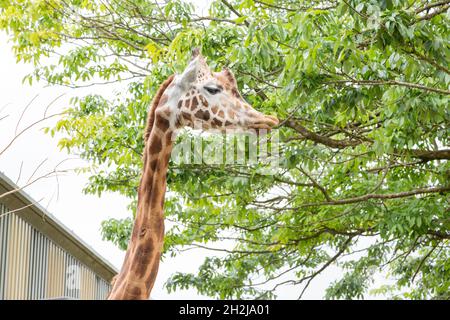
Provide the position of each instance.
(63, 197)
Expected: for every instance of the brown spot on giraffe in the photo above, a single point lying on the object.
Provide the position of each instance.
(186, 115)
(203, 115)
(153, 165)
(217, 122)
(145, 250)
(194, 103)
(155, 147)
(162, 123)
(135, 291)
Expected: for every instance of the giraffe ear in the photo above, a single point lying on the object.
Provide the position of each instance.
(190, 73)
(230, 76)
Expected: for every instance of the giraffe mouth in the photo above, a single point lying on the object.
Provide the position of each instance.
(265, 122)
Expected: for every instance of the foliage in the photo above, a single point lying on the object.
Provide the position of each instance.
(362, 88)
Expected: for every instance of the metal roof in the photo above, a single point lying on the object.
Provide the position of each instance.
(48, 224)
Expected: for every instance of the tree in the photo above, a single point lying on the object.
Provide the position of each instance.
(362, 88)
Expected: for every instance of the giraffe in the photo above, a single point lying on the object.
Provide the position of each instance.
(196, 97)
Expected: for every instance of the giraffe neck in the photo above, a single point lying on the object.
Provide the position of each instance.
(139, 270)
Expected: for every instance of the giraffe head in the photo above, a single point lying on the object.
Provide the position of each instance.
(211, 100)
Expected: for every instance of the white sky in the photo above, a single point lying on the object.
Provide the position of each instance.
(81, 213)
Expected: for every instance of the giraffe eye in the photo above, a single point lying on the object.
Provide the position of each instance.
(212, 90)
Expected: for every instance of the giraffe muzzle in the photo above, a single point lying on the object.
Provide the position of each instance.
(264, 122)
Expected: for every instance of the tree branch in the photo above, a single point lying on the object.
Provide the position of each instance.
(379, 196)
(310, 135)
(232, 9)
(390, 82)
(433, 14)
(425, 155)
(432, 5)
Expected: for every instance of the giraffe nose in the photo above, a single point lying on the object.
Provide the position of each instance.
(273, 119)
(262, 121)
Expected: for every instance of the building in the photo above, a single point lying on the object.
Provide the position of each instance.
(40, 258)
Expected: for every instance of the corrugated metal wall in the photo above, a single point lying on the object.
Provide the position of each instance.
(34, 267)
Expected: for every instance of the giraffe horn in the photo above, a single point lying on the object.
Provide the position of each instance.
(195, 52)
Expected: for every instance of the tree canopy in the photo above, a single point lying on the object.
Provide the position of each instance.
(362, 92)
